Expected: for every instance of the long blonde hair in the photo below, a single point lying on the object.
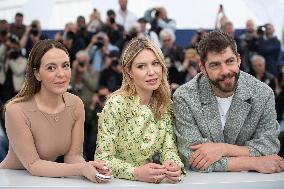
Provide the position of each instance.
(160, 100)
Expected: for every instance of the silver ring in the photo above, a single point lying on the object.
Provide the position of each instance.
(179, 179)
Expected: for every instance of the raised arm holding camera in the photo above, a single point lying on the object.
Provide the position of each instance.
(84, 81)
(32, 35)
(98, 48)
(14, 67)
(114, 30)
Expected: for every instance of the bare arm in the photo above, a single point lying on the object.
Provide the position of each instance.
(20, 134)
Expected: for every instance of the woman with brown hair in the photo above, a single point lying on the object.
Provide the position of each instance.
(43, 121)
(135, 126)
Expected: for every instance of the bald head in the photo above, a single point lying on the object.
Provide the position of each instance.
(250, 27)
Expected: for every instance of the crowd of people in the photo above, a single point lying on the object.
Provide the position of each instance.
(113, 58)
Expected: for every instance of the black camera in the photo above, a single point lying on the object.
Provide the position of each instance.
(102, 98)
(14, 39)
(261, 30)
(155, 13)
(3, 32)
(112, 20)
(34, 30)
(100, 42)
(114, 62)
(14, 53)
(70, 36)
(81, 63)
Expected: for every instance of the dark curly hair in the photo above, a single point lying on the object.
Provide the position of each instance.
(215, 41)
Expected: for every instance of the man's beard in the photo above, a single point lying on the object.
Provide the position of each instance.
(227, 88)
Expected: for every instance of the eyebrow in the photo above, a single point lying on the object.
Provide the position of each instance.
(218, 62)
(54, 64)
(155, 60)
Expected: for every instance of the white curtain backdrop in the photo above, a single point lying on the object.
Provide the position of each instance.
(189, 14)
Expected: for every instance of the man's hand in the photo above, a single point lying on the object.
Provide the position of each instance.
(268, 164)
(206, 154)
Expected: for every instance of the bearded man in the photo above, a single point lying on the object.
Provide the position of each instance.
(225, 119)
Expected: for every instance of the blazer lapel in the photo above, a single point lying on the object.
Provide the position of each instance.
(239, 109)
(210, 113)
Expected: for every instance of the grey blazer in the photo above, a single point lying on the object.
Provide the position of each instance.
(251, 118)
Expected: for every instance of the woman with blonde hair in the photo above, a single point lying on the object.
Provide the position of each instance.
(43, 121)
(135, 126)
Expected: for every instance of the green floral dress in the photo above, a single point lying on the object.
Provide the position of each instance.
(129, 136)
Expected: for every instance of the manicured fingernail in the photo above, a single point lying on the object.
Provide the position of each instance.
(105, 168)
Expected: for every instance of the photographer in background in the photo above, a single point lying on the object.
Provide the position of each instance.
(258, 65)
(221, 18)
(111, 76)
(4, 27)
(169, 46)
(82, 31)
(200, 32)
(91, 121)
(248, 45)
(72, 43)
(159, 20)
(18, 28)
(269, 47)
(113, 30)
(31, 36)
(14, 67)
(95, 23)
(98, 48)
(84, 81)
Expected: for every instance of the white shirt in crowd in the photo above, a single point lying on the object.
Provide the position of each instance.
(126, 18)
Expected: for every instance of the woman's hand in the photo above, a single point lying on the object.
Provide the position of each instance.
(102, 167)
(90, 169)
(173, 171)
(151, 172)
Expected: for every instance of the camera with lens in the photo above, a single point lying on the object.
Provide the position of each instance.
(155, 13)
(261, 30)
(14, 39)
(100, 42)
(102, 98)
(14, 53)
(114, 62)
(81, 63)
(112, 20)
(3, 32)
(34, 30)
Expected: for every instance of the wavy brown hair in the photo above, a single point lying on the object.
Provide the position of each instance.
(160, 100)
(31, 85)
